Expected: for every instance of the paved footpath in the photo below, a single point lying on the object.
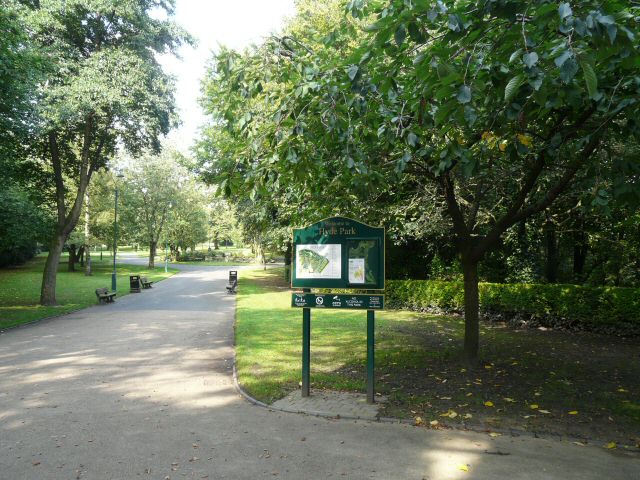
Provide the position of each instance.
(143, 389)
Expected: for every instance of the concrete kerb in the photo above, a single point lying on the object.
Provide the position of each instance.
(466, 428)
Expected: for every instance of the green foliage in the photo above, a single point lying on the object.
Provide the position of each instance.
(22, 226)
(593, 308)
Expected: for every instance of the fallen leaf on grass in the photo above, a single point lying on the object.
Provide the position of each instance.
(464, 468)
(544, 411)
(468, 415)
(507, 399)
(573, 412)
(534, 406)
(494, 434)
(433, 423)
(488, 403)
(469, 394)
(622, 390)
(417, 421)
(611, 445)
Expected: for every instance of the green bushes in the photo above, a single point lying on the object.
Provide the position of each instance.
(611, 309)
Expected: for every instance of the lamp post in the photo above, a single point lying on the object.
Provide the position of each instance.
(115, 234)
(166, 241)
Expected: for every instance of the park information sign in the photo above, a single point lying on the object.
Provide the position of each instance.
(338, 253)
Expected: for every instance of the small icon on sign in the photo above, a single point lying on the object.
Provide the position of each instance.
(336, 297)
(319, 300)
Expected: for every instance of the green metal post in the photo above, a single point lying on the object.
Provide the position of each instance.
(166, 256)
(115, 242)
(370, 356)
(306, 348)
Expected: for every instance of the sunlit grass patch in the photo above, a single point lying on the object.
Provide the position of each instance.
(20, 288)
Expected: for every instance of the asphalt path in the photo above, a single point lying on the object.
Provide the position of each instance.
(143, 388)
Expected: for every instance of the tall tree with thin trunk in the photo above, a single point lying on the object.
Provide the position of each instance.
(104, 88)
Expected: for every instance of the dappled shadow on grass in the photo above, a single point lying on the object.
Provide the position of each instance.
(581, 385)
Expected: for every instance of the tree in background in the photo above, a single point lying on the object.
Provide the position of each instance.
(103, 88)
(494, 111)
(223, 225)
(188, 219)
(150, 188)
(22, 226)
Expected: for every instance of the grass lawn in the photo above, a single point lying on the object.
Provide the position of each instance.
(20, 288)
(580, 385)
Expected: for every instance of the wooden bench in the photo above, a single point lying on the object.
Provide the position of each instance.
(145, 282)
(104, 295)
(231, 288)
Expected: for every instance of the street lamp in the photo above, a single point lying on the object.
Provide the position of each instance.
(115, 234)
(166, 241)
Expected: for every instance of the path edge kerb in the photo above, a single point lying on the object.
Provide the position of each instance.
(314, 413)
(402, 421)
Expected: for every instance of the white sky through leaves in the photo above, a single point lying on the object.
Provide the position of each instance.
(233, 23)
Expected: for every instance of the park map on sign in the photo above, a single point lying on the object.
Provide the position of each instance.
(318, 261)
(312, 262)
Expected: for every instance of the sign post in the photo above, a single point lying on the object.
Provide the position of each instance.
(345, 254)
(306, 349)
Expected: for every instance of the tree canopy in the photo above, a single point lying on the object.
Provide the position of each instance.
(486, 112)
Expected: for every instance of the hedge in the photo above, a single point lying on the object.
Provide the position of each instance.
(613, 309)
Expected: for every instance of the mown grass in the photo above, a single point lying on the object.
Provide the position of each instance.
(527, 379)
(269, 336)
(20, 288)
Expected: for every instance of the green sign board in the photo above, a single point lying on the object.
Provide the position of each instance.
(330, 300)
(338, 253)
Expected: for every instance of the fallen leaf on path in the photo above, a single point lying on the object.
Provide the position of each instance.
(580, 444)
(494, 434)
(464, 468)
(611, 445)
(433, 423)
(35, 462)
(417, 421)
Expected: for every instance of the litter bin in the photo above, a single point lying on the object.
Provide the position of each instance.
(233, 276)
(135, 286)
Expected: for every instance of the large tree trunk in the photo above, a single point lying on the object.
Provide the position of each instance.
(471, 311)
(48, 288)
(152, 253)
(72, 257)
(87, 234)
(215, 242)
(80, 255)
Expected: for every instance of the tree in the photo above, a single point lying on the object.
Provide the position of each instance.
(103, 88)
(22, 225)
(150, 188)
(22, 67)
(223, 225)
(494, 110)
(188, 219)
